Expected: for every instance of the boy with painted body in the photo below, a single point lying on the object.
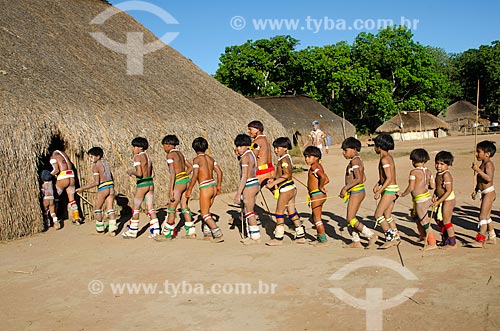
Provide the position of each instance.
(203, 170)
(444, 199)
(419, 183)
(316, 182)
(285, 192)
(179, 169)
(249, 186)
(143, 171)
(386, 190)
(63, 170)
(103, 180)
(485, 150)
(262, 150)
(353, 193)
(48, 199)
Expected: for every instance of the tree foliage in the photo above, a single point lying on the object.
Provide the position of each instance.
(369, 81)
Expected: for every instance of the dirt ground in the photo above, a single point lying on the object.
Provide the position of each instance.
(69, 279)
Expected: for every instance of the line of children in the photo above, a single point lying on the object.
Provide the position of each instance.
(285, 192)
(353, 193)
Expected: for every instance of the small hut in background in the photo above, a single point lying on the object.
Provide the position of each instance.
(461, 116)
(296, 113)
(412, 125)
(55, 78)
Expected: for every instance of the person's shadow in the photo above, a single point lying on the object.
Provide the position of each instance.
(125, 212)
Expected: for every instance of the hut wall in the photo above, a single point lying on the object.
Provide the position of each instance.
(417, 135)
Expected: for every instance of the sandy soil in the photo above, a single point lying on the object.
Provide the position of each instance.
(52, 281)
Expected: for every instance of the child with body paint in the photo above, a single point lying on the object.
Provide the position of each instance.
(248, 188)
(316, 182)
(419, 183)
(204, 167)
(353, 193)
(485, 150)
(285, 192)
(444, 199)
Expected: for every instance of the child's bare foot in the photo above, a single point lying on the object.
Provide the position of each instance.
(57, 225)
(476, 244)
(162, 238)
(492, 241)
(300, 241)
(389, 244)
(429, 248)
(216, 240)
(206, 238)
(250, 241)
(447, 247)
(372, 242)
(153, 235)
(77, 222)
(129, 235)
(319, 243)
(112, 233)
(189, 236)
(420, 239)
(274, 242)
(354, 244)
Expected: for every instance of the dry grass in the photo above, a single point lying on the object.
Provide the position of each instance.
(56, 78)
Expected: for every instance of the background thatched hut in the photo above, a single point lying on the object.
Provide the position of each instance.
(54, 79)
(410, 125)
(297, 112)
(461, 116)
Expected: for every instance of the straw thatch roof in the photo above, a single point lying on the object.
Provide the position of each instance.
(412, 121)
(54, 79)
(460, 110)
(297, 112)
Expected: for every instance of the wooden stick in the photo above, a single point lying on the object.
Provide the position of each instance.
(84, 199)
(429, 230)
(206, 137)
(300, 182)
(112, 145)
(475, 136)
(111, 142)
(23, 272)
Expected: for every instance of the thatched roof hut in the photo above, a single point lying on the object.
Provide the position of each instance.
(55, 77)
(296, 113)
(410, 125)
(460, 116)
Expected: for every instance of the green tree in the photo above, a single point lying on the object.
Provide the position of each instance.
(257, 68)
(481, 64)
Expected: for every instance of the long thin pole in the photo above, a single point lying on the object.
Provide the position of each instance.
(475, 136)
(110, 141)
(477, 121)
